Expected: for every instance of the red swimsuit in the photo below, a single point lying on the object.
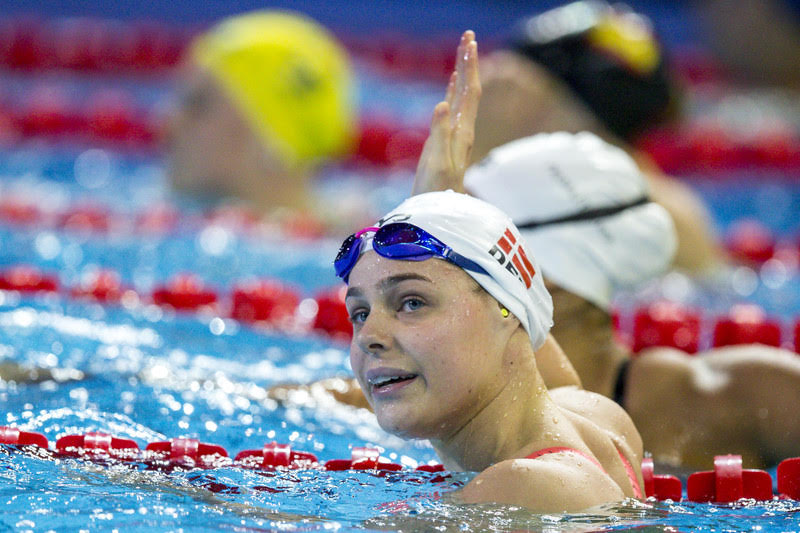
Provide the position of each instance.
(637, 490)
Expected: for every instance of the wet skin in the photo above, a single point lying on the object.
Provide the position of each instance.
(422, 334)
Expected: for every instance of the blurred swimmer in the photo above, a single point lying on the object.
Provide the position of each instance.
(588, 66)
(449, 312)
(267, 99)
(771, 31)
(583, 206)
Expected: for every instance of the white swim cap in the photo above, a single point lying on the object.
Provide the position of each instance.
(484, 234)
(553, 176)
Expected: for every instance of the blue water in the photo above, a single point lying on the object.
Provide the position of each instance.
(149, 375)
(146, 374)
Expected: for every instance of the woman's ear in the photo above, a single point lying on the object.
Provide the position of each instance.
(507, 319)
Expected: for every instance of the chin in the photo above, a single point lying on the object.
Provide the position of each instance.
(403, 425)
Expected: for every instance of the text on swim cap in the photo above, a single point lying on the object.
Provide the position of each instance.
(397, 217)
(512, 257)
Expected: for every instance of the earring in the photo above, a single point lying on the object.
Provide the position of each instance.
(504, 312)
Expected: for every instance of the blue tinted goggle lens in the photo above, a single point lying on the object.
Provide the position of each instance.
(398, 241)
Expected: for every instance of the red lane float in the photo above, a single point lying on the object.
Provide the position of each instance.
(797, 337)
(362, 459)
(184, 292)
(190, 453)
(15, 437)
(97, 445)
(25, 278)
(87, 218)
(660, 487)
(750, 241)
(728, 482)
(746, 324)
(332, 316)
(274, 455)
(789, 478)
(264, 300)
(103, 286)
(666, 324)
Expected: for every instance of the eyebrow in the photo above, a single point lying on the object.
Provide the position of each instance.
(388, 282)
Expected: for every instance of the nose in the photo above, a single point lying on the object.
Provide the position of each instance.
(374, 336)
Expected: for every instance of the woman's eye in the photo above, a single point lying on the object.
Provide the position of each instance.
(358, 317)
(412, 304)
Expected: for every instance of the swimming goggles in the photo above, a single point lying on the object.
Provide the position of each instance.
(399, 240)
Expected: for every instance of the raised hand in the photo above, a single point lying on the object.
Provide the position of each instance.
(447, 150)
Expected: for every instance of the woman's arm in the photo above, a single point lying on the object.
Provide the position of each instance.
(343, 390)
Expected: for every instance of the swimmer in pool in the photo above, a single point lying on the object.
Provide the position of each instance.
(449, 312)
(688, 408)
(588, 66)
(267, 97)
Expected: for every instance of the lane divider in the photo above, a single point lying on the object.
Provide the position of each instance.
(726, 484)
(272, 303)
(267, 303)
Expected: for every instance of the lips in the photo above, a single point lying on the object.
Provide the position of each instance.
(387, 381)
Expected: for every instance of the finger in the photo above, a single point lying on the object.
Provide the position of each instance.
(461, 59)
(435, 152)
(464, 128)
(451, 89)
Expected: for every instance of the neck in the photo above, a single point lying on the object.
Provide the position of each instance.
(267, 184)
(518, 418)
(586, 335)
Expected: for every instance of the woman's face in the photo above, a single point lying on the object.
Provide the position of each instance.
(427, 345)
(203, 136)
(521, 98)
(212, 149)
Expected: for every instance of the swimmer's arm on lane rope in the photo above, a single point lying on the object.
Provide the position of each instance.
(448, 148)
(344, 390)
(549, 484)
(18, 373)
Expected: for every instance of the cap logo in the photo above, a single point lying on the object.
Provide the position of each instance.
(511, 255)
(397, 217)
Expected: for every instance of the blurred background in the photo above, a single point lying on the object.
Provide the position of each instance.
(169, 307)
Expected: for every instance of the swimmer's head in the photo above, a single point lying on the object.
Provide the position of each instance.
(289, 78)
(582, 206)
(471, 234)
(608, 56)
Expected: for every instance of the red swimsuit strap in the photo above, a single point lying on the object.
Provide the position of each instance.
(637, 490)
(565, 449)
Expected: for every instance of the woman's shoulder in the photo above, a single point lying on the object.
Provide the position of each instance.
(603, 413)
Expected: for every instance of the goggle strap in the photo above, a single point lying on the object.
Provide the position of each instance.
(590, 214)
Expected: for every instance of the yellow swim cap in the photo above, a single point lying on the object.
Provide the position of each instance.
(289, 77)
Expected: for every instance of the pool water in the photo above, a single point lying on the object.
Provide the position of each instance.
(148, 374)
(141, 372)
